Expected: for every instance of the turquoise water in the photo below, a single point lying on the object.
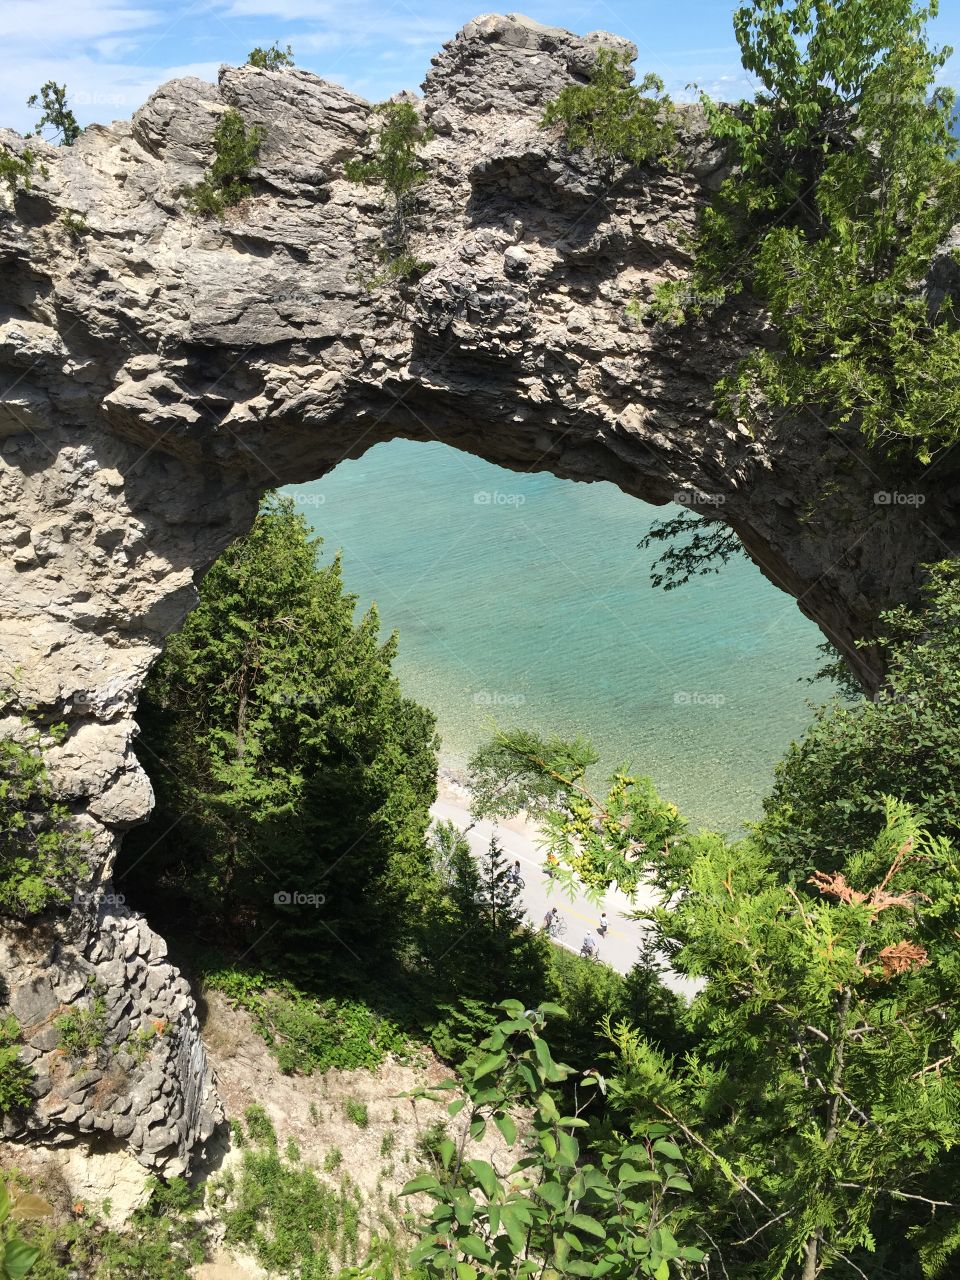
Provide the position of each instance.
(523, 599)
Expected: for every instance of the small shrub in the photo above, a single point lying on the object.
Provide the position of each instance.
(612, 118)
(291, 1151)
(395, 166)
(75, 225)
(272, 59)
(387, 1143)
(429, 1141)
(260, 1128)
(314, 1113)
(16, 171)
(15, 1076)
(140, 1044)
(333, 1159)
(226, 183)
(83, 1031)
(357, 1112)
(43, 855)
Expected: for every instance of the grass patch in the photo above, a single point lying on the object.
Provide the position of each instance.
(306, 1033)
(357, 1112)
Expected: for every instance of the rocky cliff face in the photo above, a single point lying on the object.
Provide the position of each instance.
(159, 372)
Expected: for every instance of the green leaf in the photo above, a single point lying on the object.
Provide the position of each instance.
(477, 1129)
(490, 1064)
(552, 1192)
(18, 1258)
(584, 1223)
(464, 1207)
(668, 1149)
(455, 1108)
(466, 1272)
(485, 1176)
(506, 1126)
(474, 1247)
(425, 1182)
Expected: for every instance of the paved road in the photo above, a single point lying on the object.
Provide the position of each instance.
(620, 947)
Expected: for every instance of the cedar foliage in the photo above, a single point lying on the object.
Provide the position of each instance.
(285, 758)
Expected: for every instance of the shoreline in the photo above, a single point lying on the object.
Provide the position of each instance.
(453, 790)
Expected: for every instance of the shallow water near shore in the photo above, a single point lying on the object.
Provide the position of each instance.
(520, 598)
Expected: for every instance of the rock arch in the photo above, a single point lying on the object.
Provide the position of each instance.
(158, 373)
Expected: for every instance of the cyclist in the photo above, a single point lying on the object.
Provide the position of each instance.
(589, 947)
(514, 874)
(550, 919)
(552, 863)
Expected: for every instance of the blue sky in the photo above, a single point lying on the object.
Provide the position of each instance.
(112, 53)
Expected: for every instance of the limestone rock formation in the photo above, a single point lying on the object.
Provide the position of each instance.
(158, 372)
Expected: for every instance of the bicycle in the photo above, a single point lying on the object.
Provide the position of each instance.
(558, 929)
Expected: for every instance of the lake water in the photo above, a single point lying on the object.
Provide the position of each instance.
(524, 599)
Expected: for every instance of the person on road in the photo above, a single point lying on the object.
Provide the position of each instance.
(550, 919)
(514, 874)
(603, 926)
(552, 863)
(589, 948)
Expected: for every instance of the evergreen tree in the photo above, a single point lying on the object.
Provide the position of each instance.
(285, 758)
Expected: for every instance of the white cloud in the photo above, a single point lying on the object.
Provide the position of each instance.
(38, 23)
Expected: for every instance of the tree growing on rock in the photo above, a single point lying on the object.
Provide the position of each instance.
(227, 181)
(272, 59)
(615, 121)
(56, 114)
(395, 166)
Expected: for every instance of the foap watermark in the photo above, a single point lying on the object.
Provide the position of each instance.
(298, 700)
(694, 498)
(84, 98)
(494, 498)
(299, 299)
(97, 899)
(893, 498)
(294, 898)
(309, 499)
(694, 698)
(491, 698)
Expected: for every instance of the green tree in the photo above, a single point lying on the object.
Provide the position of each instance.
(285, 758)
(272, 59)
(227, 181)
(396, 166)
(477, 943)
(824, 1091)
(616, 121)
(600, 840)
(53, 99)
(846, 181)
(827, 800)
(695, 547)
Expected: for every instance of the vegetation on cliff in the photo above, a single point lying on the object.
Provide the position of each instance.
(846, 183)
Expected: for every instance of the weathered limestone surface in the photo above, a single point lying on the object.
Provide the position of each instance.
(157, 374)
